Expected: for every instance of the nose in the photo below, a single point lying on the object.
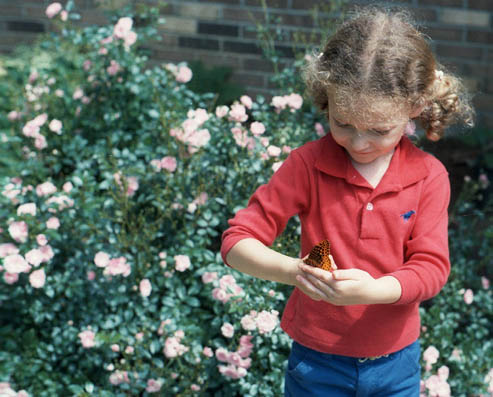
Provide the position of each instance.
(359, 142)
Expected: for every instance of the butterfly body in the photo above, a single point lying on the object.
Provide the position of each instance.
(320, 256)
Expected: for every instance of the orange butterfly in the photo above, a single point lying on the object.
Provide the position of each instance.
(319, 256)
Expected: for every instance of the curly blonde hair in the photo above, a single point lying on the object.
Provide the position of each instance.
(378, 53)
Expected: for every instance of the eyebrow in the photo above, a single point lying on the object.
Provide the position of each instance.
(374, 129)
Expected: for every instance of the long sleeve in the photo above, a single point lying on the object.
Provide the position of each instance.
(427, 267)
(271, 206)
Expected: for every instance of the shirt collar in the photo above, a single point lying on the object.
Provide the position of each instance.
(407, 166)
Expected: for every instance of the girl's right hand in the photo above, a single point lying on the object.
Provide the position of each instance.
(301, 281)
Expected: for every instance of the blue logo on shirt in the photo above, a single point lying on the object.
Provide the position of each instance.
(407, 215)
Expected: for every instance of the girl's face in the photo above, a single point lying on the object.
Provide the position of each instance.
(367, 136)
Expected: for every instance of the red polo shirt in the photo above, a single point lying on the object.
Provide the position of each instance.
(398, 228)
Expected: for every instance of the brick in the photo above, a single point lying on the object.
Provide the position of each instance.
(13, 39)
(201, 44)
(218, 29)
(236, 14)
(442, 3)
(471, 83)
(231, 61)
(25, 26)
(483, 102)
(305, 4)
(481, 4)
(11, 10)
(196, 10)
(234, 2)
(258, 64)
(179, 25)
(448, 34)
(241, 47)
(464, 17)
(178, 55)
(454, 51)
(425, 14)
(34, 12)
(304, 20)
(480, 36)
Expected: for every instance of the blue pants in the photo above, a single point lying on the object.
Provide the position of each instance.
(311, 373)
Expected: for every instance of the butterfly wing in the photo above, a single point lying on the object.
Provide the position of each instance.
(320, 256)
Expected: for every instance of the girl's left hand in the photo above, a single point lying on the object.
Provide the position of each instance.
(340, 287)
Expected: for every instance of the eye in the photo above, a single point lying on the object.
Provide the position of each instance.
(381, 132)
(341, 125)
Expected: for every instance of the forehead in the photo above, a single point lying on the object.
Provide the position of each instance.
(365, 109)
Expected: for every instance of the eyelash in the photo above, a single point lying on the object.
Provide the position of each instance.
(340, 125)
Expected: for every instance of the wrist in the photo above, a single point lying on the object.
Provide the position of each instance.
(387, 290)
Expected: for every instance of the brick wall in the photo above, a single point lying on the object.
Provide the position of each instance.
(220, 32)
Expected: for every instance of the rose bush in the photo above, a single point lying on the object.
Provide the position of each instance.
(118, 184)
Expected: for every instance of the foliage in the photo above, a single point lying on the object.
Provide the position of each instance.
(117, 187)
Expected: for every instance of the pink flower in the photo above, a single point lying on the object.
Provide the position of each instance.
(279, 102)
(209, 277)
(294, 101)
(40, 142)
(221, 111)
(248, 322)
(122, 27)
(319, 128)
(220, 295)
(410, 128)
(35, 257)
(78, 93)
(443, 372)
(91, 275)
(14, 115)
(238, 113)
(45, 189)
(28, 208)
(114, 347)
(19, 231)
(273, 151)
(145, 287)
(8, 249)
(101, 259)
(129, 350)
(118, 377)
(87, 338)
(53, 9)
(47, 253)
(10, 278)
(182, 262)
(430, 355)
(484, 281)
(468, 296)
(173, 347)
(227, 330)
(484, 182)
(257, 128)
(246, 101)
(267, 321)
(184, 74)
(276, 165)
(41, 239)
(194, 387)
(117, 266)
(40, 120)
(53, 223)
(55, 126)
(168, 163)
(114, 68)
(207, 351)
(222, 354)
(153, 385)
(37, 278)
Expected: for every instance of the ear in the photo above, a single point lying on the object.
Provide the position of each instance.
(416, 111)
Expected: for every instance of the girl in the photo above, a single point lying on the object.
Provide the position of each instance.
(379, 200)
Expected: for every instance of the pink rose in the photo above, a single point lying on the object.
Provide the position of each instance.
(184, 74)
(91, 275)
(276, 165)
(294, 101)
(221, 111)
(227, 330)
(101, 259)
(8, 249)
(117, 266)
(468, 296)
(153, 385)
(207, 351)
(431, 354)
(19, 231)
(28, 208)
(45, 189)
(222, 354)
(114, 68)
(87, 338)
(168, 163)
(145, 287)
(209, 277)
(78, 93)
(37, 278)
(238, 113)
(118, 377)
(55, 126)
(267, 321)
(248, 322)
(122, 27)
(257, 128)
(246, 101)
(10, 278)
(484, 281)
(273, 151)
(319, 128)
(35, 257)
(47, 253)
(41, 239)
(182, 262)
(53, 223)
(53, 9)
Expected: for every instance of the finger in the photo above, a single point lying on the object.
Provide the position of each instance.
(333, 262)
(347, 274)
(321, 274)
(308, 288)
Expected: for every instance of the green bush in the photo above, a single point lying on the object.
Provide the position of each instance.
(118, 184)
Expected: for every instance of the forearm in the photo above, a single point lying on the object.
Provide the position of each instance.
(252, 257)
